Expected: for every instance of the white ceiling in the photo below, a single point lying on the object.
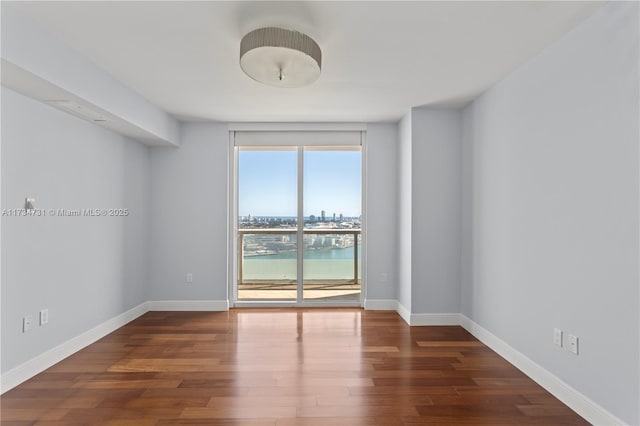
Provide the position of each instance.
(379, 58)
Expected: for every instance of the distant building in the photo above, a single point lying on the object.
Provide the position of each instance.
(312, 218)
(334, 217)
(341, 217)
(322, 215)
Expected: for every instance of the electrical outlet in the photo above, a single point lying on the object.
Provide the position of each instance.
(573, 344)
(44, 316)
(557, 336)
(27, 323)
(189, 277)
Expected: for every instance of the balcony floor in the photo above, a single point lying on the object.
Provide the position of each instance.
(316, 290)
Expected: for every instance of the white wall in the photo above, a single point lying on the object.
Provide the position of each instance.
(85, 270)
(381, 211)
(189, 215)
(429, 211)
(553, 207)
(435, 207)
(404, 212)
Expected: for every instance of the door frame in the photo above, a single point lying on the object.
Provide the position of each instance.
(232, 229)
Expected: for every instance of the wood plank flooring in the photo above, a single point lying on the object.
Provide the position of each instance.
(271, 367)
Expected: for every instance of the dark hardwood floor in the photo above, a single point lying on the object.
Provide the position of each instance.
(283, 367)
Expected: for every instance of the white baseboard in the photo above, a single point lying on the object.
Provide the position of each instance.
(424, 319)
(188, 305)
(434, 319)
(28, 369)
(381, 304)
(582, 405)
(404, 313)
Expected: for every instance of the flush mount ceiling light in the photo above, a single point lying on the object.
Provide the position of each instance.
(280, 57)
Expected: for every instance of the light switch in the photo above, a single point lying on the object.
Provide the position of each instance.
(557, 336)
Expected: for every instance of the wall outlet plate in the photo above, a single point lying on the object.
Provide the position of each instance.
(573, 344)
(27, 323)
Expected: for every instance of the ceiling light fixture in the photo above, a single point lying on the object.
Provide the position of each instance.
(280, 57)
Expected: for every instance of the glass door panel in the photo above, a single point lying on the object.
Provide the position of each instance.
(267, 224)
(332, 213)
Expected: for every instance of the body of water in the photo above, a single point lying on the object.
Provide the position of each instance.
(330, 264)
(338, 253)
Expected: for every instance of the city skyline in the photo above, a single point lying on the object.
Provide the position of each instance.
(309, 217)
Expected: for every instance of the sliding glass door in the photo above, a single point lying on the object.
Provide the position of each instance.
(331, 204)
(287, 195)
(267, 224)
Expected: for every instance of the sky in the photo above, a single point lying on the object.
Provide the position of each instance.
(267, 183)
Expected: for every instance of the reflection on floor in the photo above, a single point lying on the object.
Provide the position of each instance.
(335, 290)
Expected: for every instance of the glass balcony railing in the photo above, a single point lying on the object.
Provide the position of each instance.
(268, 260)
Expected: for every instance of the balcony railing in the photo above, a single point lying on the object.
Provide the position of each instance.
(270, 256)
